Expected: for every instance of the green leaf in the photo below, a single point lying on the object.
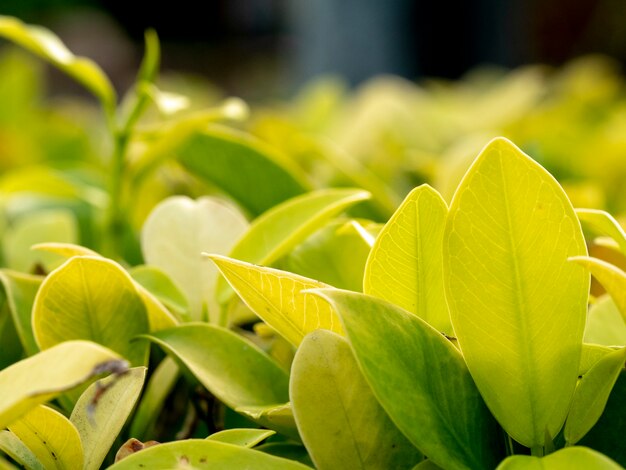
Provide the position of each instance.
(155, 281)
(418, 376)
(242, 437)
(341, 423)
(20, 291)
(51, 437)
(102, 410)
(204, 454)
(335, 254)
(605, 324)
(284, 226)
(91, 298)
(45, 226)
(592, 394)
(611, 277)
(591, 354)
(277, 298)
(175, 234)
(48, 46)
(287, 450)
(405, 266)
(604, 223)
(11, 350)
(159, 386)
(570, 458)
(517, 306)
(236, 371)
(11, 445)
(45, 375)
(277, 417)
(236, 162)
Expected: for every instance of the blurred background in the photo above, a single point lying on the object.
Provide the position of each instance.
(268, 48)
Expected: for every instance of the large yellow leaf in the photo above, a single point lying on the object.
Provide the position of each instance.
(277, 298)
(517, 305)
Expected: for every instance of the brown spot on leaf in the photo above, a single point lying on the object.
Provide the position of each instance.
(132, 446)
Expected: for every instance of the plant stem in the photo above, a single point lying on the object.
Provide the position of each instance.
(537, 451)
(114, 220)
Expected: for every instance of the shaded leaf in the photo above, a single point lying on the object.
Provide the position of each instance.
(20, 291)
(341, 423)
(418, 377)
(241, 437)
(605, 324)
(277, 417)
(570, 458)
(11, 445)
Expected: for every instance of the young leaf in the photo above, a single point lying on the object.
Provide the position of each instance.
(405, 266)
(45, 375)
(592, 394)
(51, 437)
(241, 437)
(20, 291)
(155, 281)
(11, 445)
(236, 162)
(159, 386)
(204, 454)
(102, 410)
(48, 46)
(341, 423)
(517, 306)
(175, 234)
(604, 223)
(91, 298)
(236, 371)
(605, 324)
(591, 354)
(570, 458)
(277, 298)
(418, 377)
(611, 277)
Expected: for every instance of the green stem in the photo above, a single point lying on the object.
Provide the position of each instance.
(537, 451)
(115, 219)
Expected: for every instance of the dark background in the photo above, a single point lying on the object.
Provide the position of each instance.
(259, 48)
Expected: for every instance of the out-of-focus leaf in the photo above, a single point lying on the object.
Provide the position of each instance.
(242, 437)
(204, 454)
(604, 223)
(174, 236)
(340, 420)
(102, 410)
(605, 324)
(277, 417)
(277, 298)
(405, 266)
(155, 281)
(48, 46)
(11, 445)
(236, 163)
(591, 354)
(51, 437)
(45, 375)
(570, 458)
(91, 298)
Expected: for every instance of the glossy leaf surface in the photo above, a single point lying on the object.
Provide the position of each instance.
(242, 437)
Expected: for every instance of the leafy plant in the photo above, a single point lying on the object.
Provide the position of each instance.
(276, 323)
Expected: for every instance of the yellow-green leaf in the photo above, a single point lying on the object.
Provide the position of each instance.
(405, 266)
(517, 305)
(102, 410)
(242, 437)
(604, 223)
(611, 277)
(91, 298)
(51, 437)
(592, 394)
(43, 376)
(20, 291)
(11, 445)
(277, 298)
(570, 458)
(605, 323)
(48, 46)
(278, 417)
